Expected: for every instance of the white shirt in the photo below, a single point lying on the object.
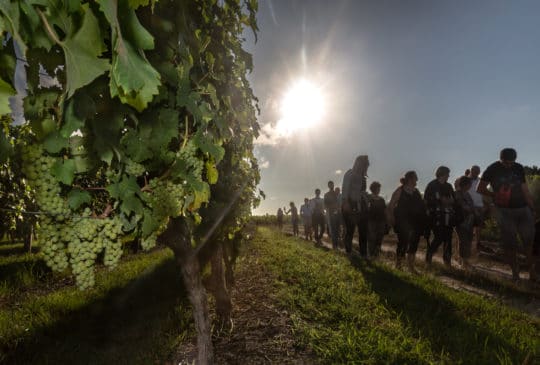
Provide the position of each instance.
(315, 203)
(476, 197)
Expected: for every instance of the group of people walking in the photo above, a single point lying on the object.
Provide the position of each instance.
(440, 211)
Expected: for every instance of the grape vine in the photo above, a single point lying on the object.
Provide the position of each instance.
(150, 108)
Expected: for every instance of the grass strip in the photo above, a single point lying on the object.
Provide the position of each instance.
(352, 311)
(136, 314)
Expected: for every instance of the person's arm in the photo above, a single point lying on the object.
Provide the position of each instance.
(392, 205)
(486, 179)
(528, 196)
(483, 189)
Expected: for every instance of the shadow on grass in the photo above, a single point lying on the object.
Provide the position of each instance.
(21, 273)
(135, 324)
(437, 319)
(15, 249)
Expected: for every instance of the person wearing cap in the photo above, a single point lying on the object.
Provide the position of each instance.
(355, 204)
(515, 207)
(439, 197)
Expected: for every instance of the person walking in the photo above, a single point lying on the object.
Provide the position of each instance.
(480, 211)
(306, 214)
(332, 218)
(466, 228)
(515, 207)
(355, 204)
(339, 214)
(406, 213)
(440, 199)
(317, 216)
(280, 218)
(376, 220)
(294, 217)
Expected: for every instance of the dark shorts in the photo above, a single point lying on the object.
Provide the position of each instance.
(514, 222)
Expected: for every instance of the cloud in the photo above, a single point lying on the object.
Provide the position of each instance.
(269, 135)
(338, 172)
(264, 163)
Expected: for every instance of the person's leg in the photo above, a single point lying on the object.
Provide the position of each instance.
(413, 240)
(349, 231)
(380, 232)
(447, 245)
(432, 248)
(508, 226)
(371, 237)
(402, 235)
(333, 222)
(319, 229)
(314, 227)
(466, 235)
(526, 232)
(362, 223)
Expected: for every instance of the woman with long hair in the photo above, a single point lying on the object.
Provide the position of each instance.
(407, 215)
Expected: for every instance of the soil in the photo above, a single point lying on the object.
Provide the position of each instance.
(260, 332)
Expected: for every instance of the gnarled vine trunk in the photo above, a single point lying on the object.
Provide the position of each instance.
(219, 286)
(28, 234)
(177, 236)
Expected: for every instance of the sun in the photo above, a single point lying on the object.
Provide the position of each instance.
(302, 107)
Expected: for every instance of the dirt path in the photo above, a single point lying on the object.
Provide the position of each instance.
(490, 278)
(262, 332)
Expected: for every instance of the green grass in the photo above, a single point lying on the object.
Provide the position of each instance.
(356, 312)
(136, 314)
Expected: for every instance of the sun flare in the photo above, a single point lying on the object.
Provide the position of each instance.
(302, 107)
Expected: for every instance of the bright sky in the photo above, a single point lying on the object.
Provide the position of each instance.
(413, 84)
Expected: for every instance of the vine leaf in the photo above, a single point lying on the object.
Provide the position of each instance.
(82, 50)
(64, 171)
(211, 172)
(71, 121)
(5, 147)
(149, 223)
(132, 79)
(6, 91)
(11, 22)
(207, 145)
(54, 142)
(126, 190)
(78, 197)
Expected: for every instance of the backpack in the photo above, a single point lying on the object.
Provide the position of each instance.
(502, 196)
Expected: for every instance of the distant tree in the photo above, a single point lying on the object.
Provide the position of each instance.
(532, 170)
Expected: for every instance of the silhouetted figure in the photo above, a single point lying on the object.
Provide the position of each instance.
(306, 214)
(332, 213)
(355, 204)
(515, 207)
(340, 214)
(406, 213)
(280, 218)
(480, 209)
(294, 217)
(465, 229)
(317, 216)
(440, 199)
(377, 225)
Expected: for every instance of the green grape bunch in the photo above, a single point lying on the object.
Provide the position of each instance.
(37, 168)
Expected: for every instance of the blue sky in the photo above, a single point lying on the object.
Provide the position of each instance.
(413, 84)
